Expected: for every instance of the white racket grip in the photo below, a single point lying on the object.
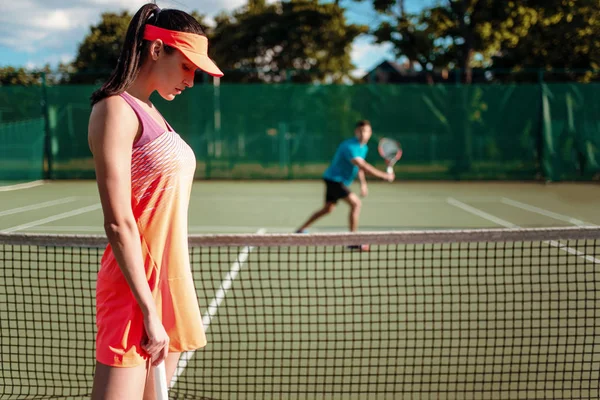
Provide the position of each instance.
(390, 169)
(160, 382)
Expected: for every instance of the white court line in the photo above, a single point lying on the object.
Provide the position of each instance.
(507, 224)
(574, 251)
(426, 200)
(53, 218)
(37, 206)
(479, 213)
(21, 186)
(214, 304)
(374, 200)
(192, 229)
(71, 229)
(224, 228)
(546, 213)
(239, 229)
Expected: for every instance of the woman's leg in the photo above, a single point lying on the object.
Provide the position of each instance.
(170, 366)
(116, 383)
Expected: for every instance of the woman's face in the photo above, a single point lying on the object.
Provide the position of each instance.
(172, 72)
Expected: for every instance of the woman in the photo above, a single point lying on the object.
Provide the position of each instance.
(147, 310)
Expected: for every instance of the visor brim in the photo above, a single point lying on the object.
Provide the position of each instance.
(204, 63)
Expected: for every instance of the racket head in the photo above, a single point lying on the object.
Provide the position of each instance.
(390, 150)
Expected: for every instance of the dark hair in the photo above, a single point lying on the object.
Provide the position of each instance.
(134, 51)
(362, 122)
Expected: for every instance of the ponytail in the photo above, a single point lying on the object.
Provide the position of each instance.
(132, 55)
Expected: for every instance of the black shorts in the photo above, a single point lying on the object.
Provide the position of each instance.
(335, 191)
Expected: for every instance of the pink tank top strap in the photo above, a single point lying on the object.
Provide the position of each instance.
(150, 128)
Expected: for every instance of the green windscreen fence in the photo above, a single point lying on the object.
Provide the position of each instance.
(291, 131)
(571, 131)
(22, 133)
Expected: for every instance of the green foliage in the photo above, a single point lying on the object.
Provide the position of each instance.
(563, 34)
(495, 33)
(100, 49)
(268, 43)
(21, 76)
(298, 41)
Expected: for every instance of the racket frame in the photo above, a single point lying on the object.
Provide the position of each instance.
(390, 161)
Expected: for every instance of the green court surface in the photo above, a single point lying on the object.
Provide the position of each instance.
(277, 207)
(476, 319)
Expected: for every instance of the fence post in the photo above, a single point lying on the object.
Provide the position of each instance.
(48, 131)
(216, 132)
(541, 140)
(461, 128)
(281, 138)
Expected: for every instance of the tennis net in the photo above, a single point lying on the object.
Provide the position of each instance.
(472, 314)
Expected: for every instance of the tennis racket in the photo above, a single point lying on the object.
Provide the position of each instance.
(391, 152)
(160, 382)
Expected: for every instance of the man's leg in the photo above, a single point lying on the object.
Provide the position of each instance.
(327, 209)
(355, 205)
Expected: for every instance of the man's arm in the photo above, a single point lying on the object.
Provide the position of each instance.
(364, 190)
(369, 169)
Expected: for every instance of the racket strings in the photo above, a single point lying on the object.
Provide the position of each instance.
(389, 149)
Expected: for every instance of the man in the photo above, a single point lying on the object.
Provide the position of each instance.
(348, 162)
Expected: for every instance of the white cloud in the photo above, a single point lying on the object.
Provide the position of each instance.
(66, 58)
(358, 73)
(26, 41)
(366, 54)
(33, 25)
(56, 20)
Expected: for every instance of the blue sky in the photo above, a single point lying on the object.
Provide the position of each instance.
(366, 54)
(36, 32)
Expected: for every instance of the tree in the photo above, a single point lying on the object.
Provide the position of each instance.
(99, 51)
(482, 33)
(564, 36)
(299, 41)
(455, 33)
(20, 76)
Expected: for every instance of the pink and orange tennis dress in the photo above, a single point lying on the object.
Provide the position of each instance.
(162, 171)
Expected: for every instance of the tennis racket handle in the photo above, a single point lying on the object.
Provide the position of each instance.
(160, 382)
(390, 169)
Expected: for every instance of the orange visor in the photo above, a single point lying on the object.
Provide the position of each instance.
(194, 47)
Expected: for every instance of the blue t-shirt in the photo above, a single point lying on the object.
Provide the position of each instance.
(341, 168)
